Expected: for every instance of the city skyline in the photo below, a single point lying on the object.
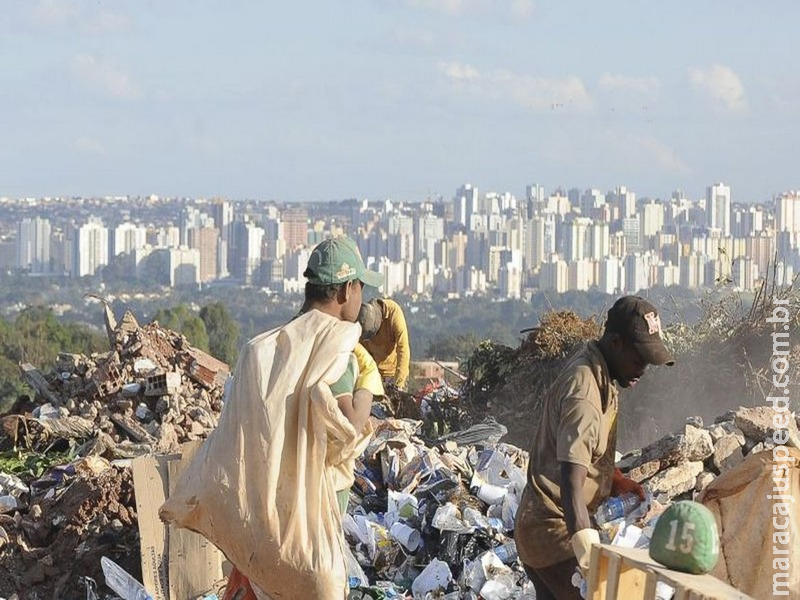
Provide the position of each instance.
(396, 99)
(487, 243)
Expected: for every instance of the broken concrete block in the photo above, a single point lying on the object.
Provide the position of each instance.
(695, 420)
(675, 480)
(759, 423)
(719, 430)
(694, 445)
(703, 479)
(162, 384)
(727, 454)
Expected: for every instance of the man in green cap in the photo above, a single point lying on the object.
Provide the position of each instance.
(571, 468)
(264, 486)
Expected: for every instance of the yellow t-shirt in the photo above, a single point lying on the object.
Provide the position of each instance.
(390, 347)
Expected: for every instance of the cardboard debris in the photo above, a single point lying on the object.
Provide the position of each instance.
(176, 564)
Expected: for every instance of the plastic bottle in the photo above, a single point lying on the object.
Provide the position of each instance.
(507, 552)
(124, 584)
(7, 503)
(615, 508)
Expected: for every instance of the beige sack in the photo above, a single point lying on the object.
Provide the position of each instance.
(744, 514)
(261, 488)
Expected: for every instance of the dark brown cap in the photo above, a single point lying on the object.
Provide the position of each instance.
(637, 321)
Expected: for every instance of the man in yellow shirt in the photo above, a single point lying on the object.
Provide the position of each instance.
(385, 336)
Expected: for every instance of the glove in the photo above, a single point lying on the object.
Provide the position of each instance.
(582, 547)
(622, 485)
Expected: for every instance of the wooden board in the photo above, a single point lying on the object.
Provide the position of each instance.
(630, 574)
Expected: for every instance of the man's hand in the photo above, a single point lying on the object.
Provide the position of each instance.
(582, 543)
(622, 485)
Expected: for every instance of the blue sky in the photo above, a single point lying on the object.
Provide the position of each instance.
(400, 99)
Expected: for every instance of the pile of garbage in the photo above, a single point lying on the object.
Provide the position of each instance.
(432, 510)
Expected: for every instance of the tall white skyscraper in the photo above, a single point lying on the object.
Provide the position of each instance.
(128, 237)
(33, 245)
(718, 208)
(90, 244)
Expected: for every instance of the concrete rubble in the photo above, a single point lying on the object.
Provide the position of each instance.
(151, 392)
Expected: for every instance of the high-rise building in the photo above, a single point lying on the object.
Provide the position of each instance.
(718, 208)
(652, 219)
(33, 246)
(624, 199)
(787, 211)
(575, 246)
(128, 237)
(554, 276)
(597, 239)
(206, 241)
(295, 227)
(632, 232)
(90, 248)
(465, 203)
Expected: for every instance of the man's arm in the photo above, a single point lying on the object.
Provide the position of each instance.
(356, 407)
(582, 535)
(402, 347)
(575, 512)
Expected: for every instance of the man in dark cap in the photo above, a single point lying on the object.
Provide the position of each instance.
(571, 467)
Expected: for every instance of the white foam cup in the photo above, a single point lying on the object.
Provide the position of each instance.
(408, 537)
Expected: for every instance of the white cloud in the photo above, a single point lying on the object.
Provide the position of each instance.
(104, 78)
(521, 8)
(662, 155)
(452, 7)
(71, 15)
(87, 145)
(623, 83)
(721, 85)
(515, 8)
(535, 93)
(458, 72)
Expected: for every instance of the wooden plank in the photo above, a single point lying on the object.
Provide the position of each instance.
(632, 582)
(195, 564)
(593, 580)
(602, 576)
(704, 587)
(650, 586)
(614, 564)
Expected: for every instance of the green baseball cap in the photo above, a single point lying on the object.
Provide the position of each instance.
(337, 260)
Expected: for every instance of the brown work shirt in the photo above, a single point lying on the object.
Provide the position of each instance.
(578, 425)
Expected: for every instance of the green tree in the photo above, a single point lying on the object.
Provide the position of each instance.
(223, 333)
(454, 347)
(182, 320)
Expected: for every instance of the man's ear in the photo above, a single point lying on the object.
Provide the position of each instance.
(345, 291)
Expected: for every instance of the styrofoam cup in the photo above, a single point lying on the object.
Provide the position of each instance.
(408, 537)
(491, 494)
